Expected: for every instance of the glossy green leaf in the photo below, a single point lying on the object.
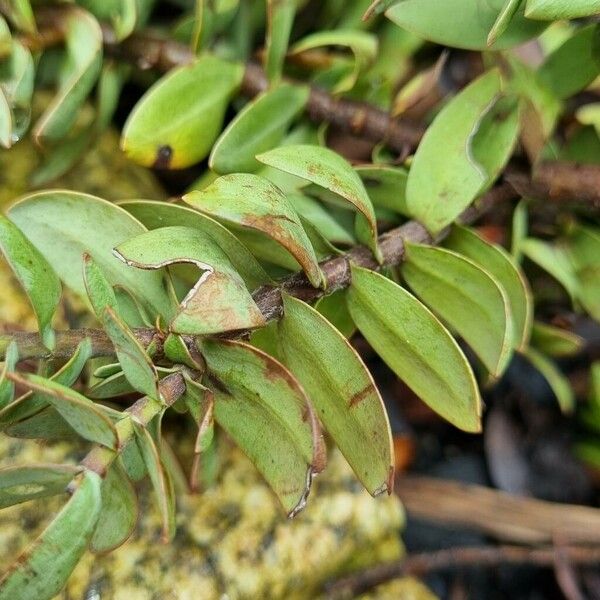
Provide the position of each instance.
(161, 480)
(83, 62)
(28, 482)
(362, 44)
(43, 569)
(503, 20)
(265, 411)
(416, 346)
(556, 380)
(446, 151)
(573, 65)
(254, 202)
(35, 275)
(553, 259)
(386, 186)
(41, 216)
(342, 391)
(219, 301)
(122, 14)
(498, 263)
(259, 126)
(32, 402)
(119, 513)
(7, 387)
(87, 419)
(329, 170)
(161, 214)
(280, 17)
(554, 10)
(465, 296)
(461, 23)
(99, 291)
(196, 96)
(135, 362)
(554, 341)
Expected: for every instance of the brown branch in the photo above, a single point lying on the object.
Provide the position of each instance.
(268, 298)
(453, 558)
(504, 516)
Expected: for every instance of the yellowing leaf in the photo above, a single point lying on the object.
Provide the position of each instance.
(416, 346)
(194, 98)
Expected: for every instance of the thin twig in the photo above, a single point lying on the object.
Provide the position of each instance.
(454, 558)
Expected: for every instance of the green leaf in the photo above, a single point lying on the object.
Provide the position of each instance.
(99, 291)
(21, 15)
(386, 186)
(280, 18)
(63, 225)
(122, 14)
(28, 482)
(135, 362)
(80, 72)
(575, 64)
(556, 380)
(43, 569)
(161, 214)
(324, 222)
(87, 419)
(498, 263)
(265, 411)
(7, 387)
(416, 346)
(46, 424)
(446, 151)
(342, 391)
(200, 401)
(35, 275)
(254, 202)
(466, 297)
(196, 96)
(219, 301)
(333, 307)
(554, 341)
(495, 139)
(555, 10)
(583, 249)
(519, 229)
(119, 513)
(259, 126)
(503, 20)
(130, 308)
(553, 259)
(329, 170)
(31, 402)
(461, 23)
(17, 91)
(362, 44)
(161, 481)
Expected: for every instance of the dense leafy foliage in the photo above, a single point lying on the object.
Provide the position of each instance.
(235, 306)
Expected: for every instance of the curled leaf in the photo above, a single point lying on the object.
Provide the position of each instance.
(219, 301)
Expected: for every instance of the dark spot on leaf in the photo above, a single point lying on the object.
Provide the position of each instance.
(217, 384)
(360, 396)
(164, 154)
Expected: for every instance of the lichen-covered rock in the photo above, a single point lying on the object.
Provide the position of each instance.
(233, 541)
